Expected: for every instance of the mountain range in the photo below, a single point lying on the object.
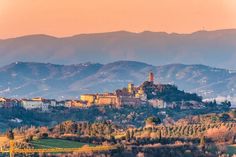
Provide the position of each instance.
(213, 48)
(31, 79)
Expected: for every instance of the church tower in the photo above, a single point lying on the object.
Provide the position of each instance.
(151, 77)
(130, 88)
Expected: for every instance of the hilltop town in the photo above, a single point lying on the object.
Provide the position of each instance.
(157, 95)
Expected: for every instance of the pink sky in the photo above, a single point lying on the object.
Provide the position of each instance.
(69, 17)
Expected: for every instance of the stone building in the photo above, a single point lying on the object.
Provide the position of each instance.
(127, 96)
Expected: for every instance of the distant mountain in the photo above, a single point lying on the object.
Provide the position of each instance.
(214, 48)
(28, 79)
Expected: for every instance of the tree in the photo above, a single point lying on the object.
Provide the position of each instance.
(10, 135)
(232, 114)
(127, 136)
(159, 135)
(214, 119)
(70, 127)
(226, 104)
(202, 142)
(132, 134)
(153, 120)
(224, 117)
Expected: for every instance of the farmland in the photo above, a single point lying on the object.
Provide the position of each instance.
(57, 143)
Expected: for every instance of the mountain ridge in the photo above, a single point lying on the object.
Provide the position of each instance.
(229, 30)
(30, 79)
(214, 48)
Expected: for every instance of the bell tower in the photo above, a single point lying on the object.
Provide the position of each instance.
(151, 77)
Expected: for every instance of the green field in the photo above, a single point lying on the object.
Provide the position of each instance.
(57, 143)
(231, 149)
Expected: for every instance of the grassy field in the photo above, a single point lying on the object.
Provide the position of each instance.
(231, 149)
(57, 143)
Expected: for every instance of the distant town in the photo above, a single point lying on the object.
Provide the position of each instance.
(128, 96)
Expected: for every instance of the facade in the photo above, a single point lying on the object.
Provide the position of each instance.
(141, 94)
(60, 103)
(89, 98)
(8, 103)
(52, 102)
(107, 99)
(157, 103)
(75, 104)
(131, 101)
(130, 88)
(31, 104)
(35, 103)
(2, 101)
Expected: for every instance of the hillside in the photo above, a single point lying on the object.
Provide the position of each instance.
(28, 79)
(214, 48)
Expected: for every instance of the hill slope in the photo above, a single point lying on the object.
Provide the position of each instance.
(28, 79)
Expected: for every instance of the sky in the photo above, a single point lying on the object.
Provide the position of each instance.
(69, 17)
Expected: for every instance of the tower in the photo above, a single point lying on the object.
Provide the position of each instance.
(130, 88)
(151, 77)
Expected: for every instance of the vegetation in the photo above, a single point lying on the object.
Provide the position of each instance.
(168, 93)
(231, 149)
(127, 115)
(56, 143)
(199, 134)
(153, 120)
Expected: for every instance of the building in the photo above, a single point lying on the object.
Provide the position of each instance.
(52, 102)
(8, 103)
(157, 103)
(76, 104)
(141, 94)
(127, 96)
(35, 103)
(107, 99)
(89, 98)
(131, 88)
(151, 77)
(2, 101)
(130, 101)
(31, 104)
(60, 103)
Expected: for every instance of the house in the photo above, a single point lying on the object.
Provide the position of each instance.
(89, 98)
(157, 103)
(60, 103)
(2, 101)
(75, 104)
(8, 103)
(35, 103)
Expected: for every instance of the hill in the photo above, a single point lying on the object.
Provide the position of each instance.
(29, 79)
(214, 48)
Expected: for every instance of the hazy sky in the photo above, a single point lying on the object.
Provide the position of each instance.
(69, 17)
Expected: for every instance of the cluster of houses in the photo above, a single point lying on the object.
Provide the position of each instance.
(135, 95)
(40, 103)
(127, 96)
(29, 104)
(130, 96)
